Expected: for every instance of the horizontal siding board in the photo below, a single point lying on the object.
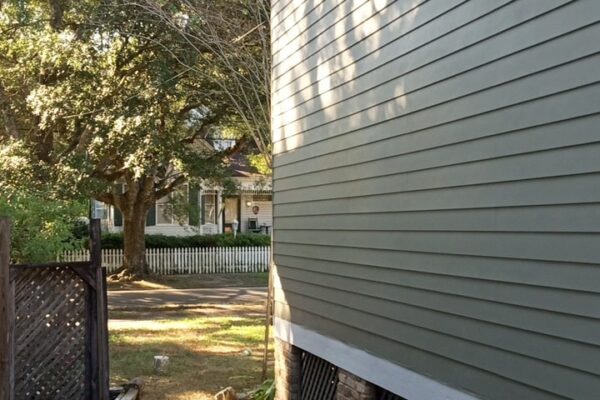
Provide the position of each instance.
(583, 304)
(290, 12)
(545, 137)
(470, 378)
(419, 270)
(436, 187)
(390, 138)
(575, 189)
(522, 64)
(555, 379)
(579, 356)
(365, 24)
(575, 218)
(552, 324)
(419, 27)
(277, 6)
(551, 163)
(424, 113)
(421, 47)
(566, 247)
(423, 67)
(300, 36)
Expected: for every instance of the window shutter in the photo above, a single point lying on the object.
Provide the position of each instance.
(117, 217)
(151, 217)
(117, 214)
(194, 212)
(202, 212)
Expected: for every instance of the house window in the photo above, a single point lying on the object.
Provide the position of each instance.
(99, 210)
(168, 206)
(223, 144)
(209, 208)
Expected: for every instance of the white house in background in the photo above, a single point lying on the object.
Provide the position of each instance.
(216, 212)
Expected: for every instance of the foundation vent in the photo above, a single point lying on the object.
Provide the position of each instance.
(319, 378)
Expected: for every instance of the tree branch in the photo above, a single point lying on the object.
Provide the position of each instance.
(107, 198)
(58, 11)
(10, 123)
(170, 187)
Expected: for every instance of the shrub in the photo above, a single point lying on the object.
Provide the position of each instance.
(115, 241)
(41, 227)
(111, 241)
(266, 391)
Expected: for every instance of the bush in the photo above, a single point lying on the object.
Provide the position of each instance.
(81, 228)
(41, 227)
(115, 241)
(111, 241)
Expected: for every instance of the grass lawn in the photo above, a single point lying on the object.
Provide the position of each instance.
(255, 279)
(205, 345)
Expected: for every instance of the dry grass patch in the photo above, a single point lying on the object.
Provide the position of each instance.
(205, 345)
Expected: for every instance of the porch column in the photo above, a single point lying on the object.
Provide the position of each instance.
(220, 211)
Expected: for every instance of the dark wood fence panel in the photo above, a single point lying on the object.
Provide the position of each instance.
(6, 315)
(50, 334)
(58, 341)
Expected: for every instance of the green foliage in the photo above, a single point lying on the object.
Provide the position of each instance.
(115, 241)
(108, 93)
(266, 391)
(95, 94)
(43, 222)
(259, 162)
(41, 227)
(116, 101)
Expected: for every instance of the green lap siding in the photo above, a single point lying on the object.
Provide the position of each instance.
(437, 187)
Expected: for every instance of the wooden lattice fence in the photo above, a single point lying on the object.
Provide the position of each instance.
(53, 326)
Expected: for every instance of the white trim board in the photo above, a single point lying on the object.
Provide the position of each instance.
(390, 376)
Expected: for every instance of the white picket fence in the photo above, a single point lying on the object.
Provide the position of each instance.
(216, 260)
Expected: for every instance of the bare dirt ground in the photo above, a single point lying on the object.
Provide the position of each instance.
(210, 326)
(210, 347)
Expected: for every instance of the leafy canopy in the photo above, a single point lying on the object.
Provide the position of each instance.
(98, 92)
(101, 91)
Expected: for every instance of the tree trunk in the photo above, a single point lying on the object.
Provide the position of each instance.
(134, 246)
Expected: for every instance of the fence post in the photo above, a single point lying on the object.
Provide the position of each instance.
(7, 316)
(100, 311)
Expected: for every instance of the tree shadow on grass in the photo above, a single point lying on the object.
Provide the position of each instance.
(194, 372)
(207, 353)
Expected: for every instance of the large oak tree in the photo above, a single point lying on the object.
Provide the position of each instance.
(100, 92)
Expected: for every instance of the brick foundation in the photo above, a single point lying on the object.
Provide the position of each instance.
(351, 387)
(288, 370)
(288, 365)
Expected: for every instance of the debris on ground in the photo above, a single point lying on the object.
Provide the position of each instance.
(226, 394)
